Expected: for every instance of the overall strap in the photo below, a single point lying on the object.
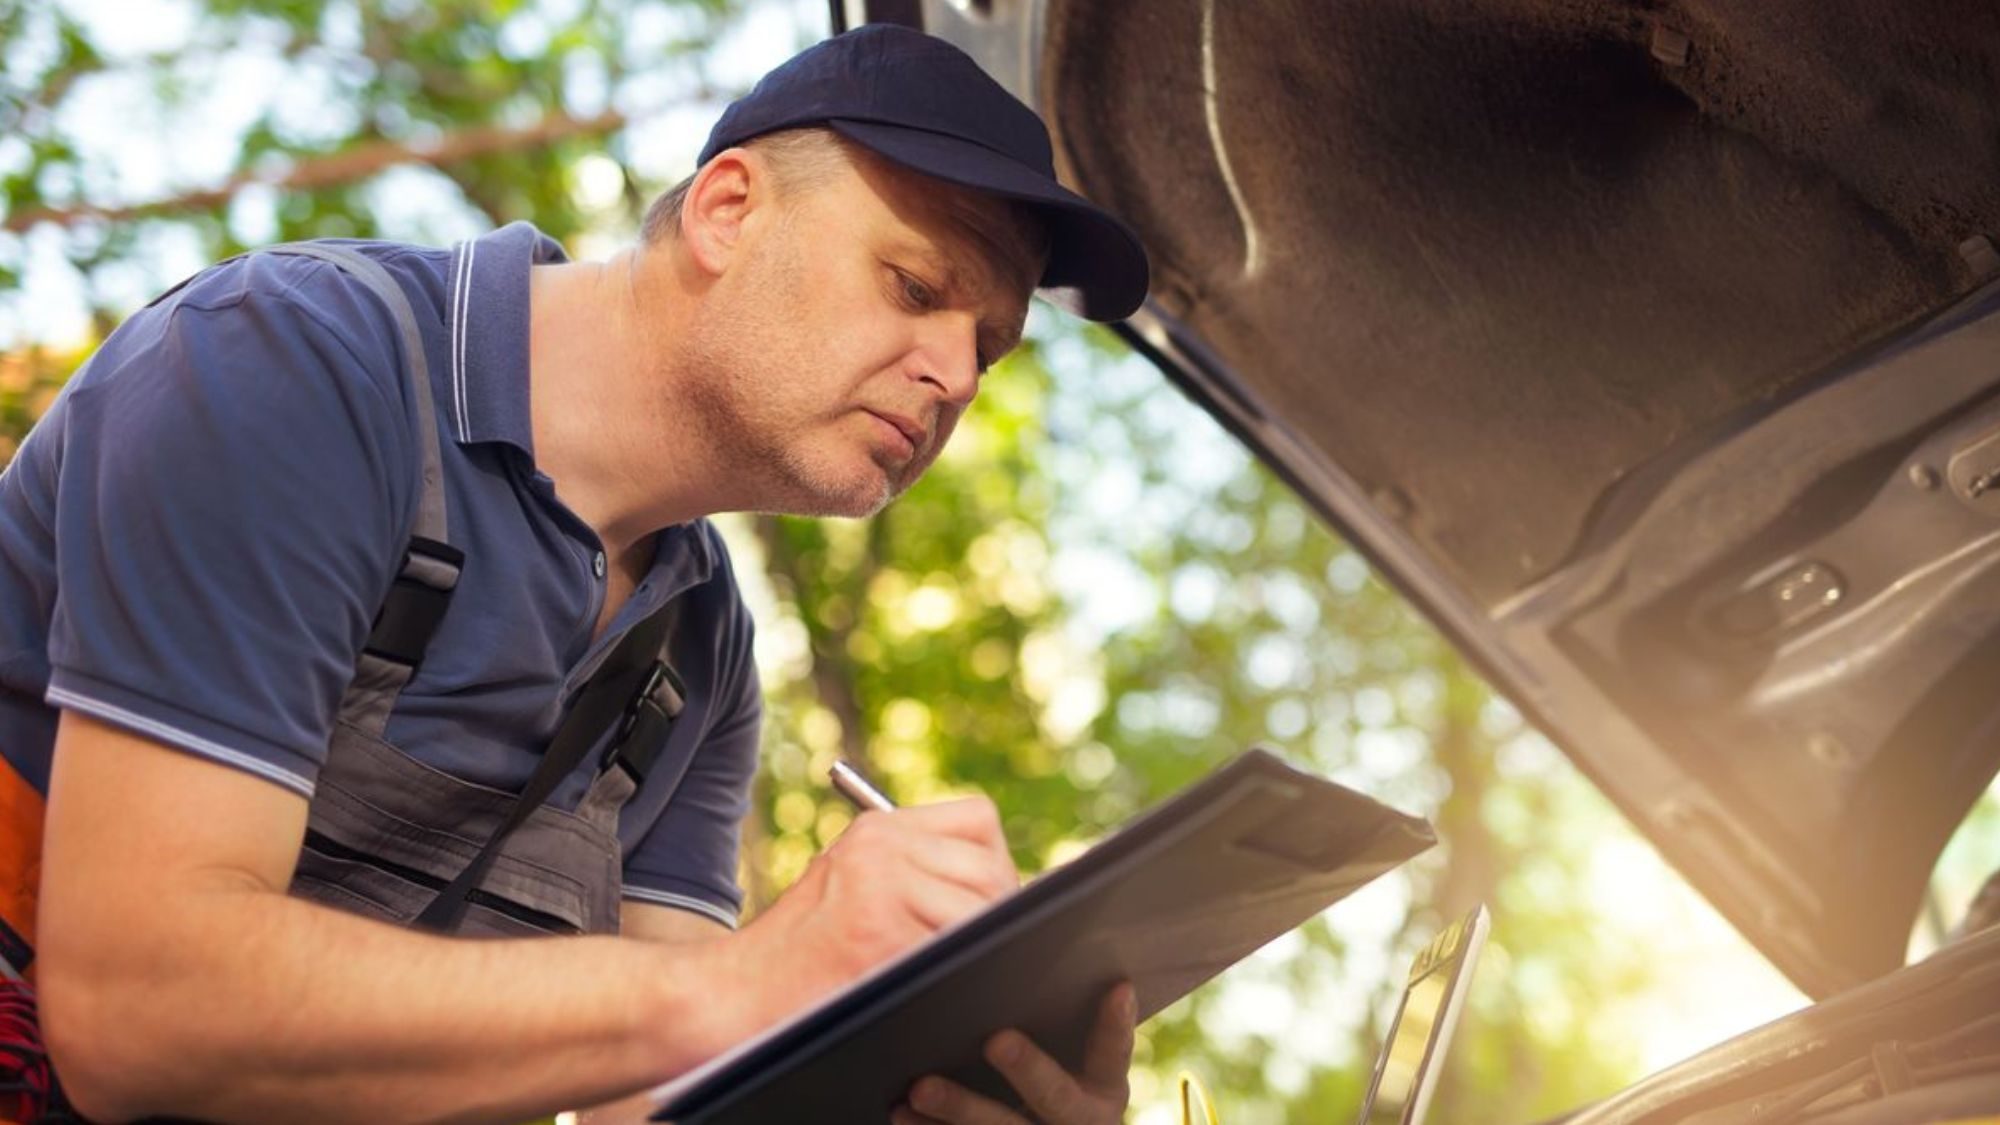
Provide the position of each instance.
(430, 521)
(429, 571)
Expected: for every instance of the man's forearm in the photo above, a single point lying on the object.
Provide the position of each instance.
(177, 977)
(258, 1007)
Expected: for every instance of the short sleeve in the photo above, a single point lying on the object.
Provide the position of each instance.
(688, 858)
(237, 474)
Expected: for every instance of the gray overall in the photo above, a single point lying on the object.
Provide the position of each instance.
(386, 832)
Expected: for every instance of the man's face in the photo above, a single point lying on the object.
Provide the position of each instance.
(851, 335)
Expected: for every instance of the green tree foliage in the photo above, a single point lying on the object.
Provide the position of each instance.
(270, 120)
(29, 380)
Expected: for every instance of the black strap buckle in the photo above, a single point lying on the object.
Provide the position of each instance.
(416, 602)
(648, 720)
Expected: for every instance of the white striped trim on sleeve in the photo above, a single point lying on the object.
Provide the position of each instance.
(682, 902)
(177, 737)
(461, 311)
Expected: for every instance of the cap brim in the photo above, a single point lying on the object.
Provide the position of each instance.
(1090, 252)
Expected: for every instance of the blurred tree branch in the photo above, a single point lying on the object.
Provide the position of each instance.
(318, 172)
(832, 669)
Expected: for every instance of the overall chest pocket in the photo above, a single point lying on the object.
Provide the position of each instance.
(386, 832)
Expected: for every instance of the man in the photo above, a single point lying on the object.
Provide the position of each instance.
(195, 542)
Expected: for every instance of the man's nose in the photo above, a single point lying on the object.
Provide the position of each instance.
(948, 359)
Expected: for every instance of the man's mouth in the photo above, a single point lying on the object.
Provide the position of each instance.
(913, 433)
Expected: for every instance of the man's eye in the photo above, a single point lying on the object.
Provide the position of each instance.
(919, 295)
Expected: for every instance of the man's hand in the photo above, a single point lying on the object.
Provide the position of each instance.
(889, 882)
(1097, 1096)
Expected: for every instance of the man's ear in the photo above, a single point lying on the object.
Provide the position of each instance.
(719, 204)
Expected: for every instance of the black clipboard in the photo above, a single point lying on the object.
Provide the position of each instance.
(1170, 900)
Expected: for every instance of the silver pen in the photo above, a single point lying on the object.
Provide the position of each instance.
(859, 792)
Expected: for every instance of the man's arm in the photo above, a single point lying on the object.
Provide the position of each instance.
(662, 925)
(177, 977)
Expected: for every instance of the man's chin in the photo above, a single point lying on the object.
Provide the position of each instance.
(848, 500)
(848, 488)
(861, 507)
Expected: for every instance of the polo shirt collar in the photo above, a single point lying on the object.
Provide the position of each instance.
(487, 315)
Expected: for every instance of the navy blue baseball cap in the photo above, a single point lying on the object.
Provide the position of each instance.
(921, 103)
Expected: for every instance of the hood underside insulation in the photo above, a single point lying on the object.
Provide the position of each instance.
(1494, 257)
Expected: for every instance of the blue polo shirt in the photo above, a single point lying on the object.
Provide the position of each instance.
(195, 539)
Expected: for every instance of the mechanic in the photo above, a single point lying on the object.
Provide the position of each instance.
(325, 553)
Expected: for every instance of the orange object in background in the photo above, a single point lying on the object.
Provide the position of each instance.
(20, 868)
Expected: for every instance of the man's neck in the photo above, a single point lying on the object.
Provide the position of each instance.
(599, 399)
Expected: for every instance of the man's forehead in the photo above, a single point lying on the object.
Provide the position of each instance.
(986, 233)
(1013, 263)
(970, 266)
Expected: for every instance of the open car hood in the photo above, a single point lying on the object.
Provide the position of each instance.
(1649, 348)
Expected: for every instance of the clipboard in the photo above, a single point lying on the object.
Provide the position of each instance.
(1168, 901)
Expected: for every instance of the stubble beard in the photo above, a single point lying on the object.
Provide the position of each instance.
(766, 449)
